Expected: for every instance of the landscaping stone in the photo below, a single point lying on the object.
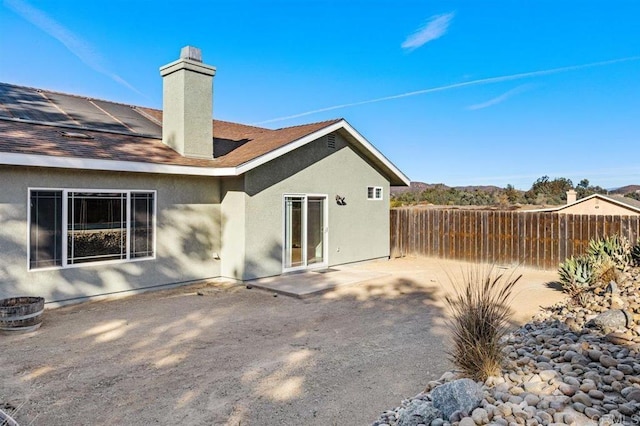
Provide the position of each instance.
(584, 371)
(460, 395)
(418, 413)
(614, 319)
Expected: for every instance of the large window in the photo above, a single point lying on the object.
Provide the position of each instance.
(95, 226)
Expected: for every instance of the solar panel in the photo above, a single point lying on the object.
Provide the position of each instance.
(29, 104)
(131, 118)
(39, 105)
(85, 113)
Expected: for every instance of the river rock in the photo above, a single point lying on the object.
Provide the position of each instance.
(608, 361)
(634, 395)
(480, 416)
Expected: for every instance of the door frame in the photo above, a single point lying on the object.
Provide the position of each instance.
(325, 231)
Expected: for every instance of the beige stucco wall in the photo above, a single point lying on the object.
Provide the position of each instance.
(596, 206)
(232, 218)
(205, 227)
(188, 229)
(357, 231)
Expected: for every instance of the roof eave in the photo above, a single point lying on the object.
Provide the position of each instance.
(34, 160)
(396, 177)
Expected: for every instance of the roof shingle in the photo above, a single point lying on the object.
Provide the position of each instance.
(32, 121)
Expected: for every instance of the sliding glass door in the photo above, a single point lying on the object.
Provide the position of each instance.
(304, 231)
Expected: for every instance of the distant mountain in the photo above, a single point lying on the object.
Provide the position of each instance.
(415, 187)
(626, 189)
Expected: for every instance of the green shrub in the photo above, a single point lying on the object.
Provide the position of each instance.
(480, 317)
(395, 203)
(577, 274)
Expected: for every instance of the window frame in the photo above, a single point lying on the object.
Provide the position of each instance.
(65, 226)
(376, 190)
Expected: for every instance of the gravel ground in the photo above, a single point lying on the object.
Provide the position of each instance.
(235, 356)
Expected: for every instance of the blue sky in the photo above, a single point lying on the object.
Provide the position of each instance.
(457, 92)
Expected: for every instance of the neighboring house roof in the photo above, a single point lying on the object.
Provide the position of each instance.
(625, 201)
(50, 129)
(619, 200)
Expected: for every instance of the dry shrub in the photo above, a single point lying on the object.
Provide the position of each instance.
(480, 318)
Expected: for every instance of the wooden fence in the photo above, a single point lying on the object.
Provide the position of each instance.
(535, 239)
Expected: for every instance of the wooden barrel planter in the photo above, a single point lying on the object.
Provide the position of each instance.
(21, 314)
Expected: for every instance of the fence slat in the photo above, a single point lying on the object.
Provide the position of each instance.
(536, 239)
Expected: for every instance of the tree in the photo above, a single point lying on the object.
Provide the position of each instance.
(513, 195)
(584, 189)
(546, 191)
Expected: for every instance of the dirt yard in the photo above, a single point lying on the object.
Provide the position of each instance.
(238, 356)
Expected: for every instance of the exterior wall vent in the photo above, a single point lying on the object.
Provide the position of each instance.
(331, 141)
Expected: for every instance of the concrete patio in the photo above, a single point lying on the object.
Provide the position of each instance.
(308, 283)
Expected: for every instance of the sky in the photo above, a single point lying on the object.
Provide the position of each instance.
(454, 92)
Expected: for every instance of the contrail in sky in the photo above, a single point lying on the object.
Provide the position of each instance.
(75, 44)
(478, 82)
(501, 98)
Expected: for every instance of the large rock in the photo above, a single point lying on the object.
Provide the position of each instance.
(460, 395)
(614, 319)
(419, 412)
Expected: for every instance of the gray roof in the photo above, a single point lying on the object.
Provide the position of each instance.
(625, 200)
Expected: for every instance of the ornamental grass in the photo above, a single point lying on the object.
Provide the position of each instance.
(480, 308)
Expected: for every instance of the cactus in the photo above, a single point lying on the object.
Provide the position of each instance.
(576, 275)
(635, 253)
(613, 247)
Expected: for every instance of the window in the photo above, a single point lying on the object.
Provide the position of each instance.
(70, 227)
(45, 234)
(374, 193)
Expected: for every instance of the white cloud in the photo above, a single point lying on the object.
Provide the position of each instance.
(435, 28)
(501, 98)
(75, 44)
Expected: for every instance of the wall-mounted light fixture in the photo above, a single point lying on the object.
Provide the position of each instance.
(340, 201)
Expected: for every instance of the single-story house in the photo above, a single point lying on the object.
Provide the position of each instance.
(598, 205)
(99, 197)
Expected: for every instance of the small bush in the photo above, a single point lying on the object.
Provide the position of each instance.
(480, 317)
(395, 203)
(605, 270)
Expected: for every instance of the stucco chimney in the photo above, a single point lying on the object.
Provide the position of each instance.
(187, 104)
(571, 196)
